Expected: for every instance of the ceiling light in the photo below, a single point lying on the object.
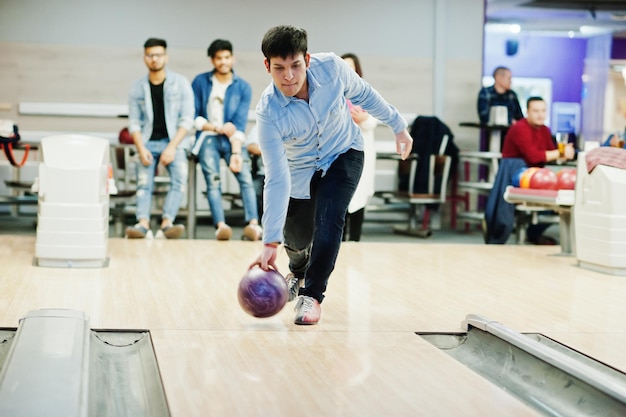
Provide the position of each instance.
(593, 30)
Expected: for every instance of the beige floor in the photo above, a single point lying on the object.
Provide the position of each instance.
(363, 359)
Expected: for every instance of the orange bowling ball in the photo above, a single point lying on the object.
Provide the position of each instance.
(525, 178)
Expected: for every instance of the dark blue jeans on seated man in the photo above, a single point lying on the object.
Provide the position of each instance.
(314, 227)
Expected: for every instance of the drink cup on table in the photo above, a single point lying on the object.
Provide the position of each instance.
(562, 139)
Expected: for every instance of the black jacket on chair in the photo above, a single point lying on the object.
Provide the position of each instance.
(427, 133)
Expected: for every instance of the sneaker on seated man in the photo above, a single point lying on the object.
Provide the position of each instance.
(171, 231)
(167, 230)
(252, 232)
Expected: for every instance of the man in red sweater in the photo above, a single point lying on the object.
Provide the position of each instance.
(531, 140)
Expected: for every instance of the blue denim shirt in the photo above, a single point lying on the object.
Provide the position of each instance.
(177, 100)
(298, 138)
(236, 100)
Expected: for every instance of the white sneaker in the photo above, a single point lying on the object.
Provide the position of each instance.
(172, 232)
(224, 232)
(252, 232)
(308, 310)
(138, 232)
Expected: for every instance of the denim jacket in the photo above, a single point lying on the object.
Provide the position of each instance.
(178, 103)
(236, 100)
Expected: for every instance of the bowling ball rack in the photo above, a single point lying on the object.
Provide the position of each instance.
(560, 201)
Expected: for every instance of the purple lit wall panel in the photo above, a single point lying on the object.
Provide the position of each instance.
(559, 58)
(618, 48)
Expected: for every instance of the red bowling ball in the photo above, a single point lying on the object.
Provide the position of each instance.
(544, 179)
(566, 179)
(262, 293)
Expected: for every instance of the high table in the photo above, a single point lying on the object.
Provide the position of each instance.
(494, 133)
(487, 158)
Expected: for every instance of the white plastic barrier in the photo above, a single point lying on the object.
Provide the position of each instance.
(600, 218)
(73, 212)
(46, 370)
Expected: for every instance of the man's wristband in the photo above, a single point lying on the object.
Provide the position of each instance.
(271, 245)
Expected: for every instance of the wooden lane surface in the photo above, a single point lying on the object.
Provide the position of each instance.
(320, 373)
(363, 358)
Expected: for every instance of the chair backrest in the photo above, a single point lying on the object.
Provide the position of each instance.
(438, 175)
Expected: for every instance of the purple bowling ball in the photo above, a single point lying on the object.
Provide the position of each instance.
(262, 293)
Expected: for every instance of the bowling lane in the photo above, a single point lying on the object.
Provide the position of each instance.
(431, 288)
(287, 373)
(364, 355)
(375, 287)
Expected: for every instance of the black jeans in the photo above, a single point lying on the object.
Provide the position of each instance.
(354, 225)
(314, 227)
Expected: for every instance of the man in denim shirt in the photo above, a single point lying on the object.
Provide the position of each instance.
(222, 102)
(159, 120)
(313, 156)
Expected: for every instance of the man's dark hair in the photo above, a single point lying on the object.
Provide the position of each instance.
(499, 69)
(531, 99)
(284, 41)
(155, 42)
(219, 45)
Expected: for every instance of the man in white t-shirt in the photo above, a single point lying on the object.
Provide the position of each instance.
(222, 101)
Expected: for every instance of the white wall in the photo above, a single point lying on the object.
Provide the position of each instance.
(424, 56)
(332, 24)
